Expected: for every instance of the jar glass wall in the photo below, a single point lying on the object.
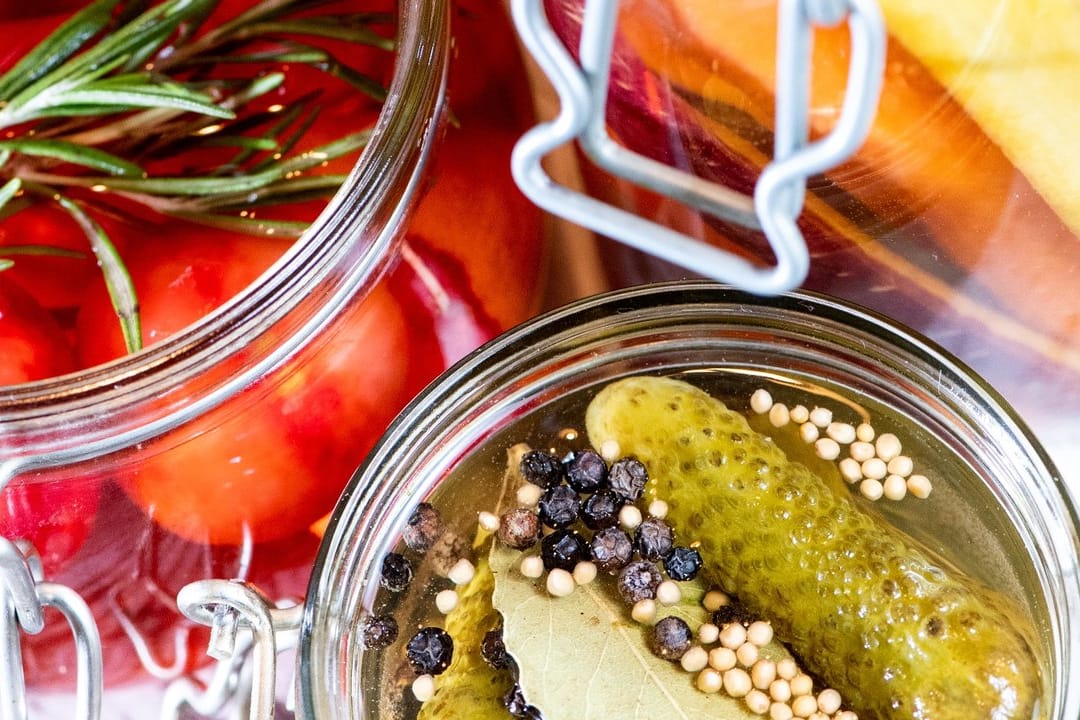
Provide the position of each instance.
(531, 385)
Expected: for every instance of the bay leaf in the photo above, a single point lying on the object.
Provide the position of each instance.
(582, 657)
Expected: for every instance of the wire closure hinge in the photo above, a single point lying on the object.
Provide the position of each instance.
(247, 631)
(778, 194)
(23, 596)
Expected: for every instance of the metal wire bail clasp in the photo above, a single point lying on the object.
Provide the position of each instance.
(779, 192)
(23, 596)
(247, 631)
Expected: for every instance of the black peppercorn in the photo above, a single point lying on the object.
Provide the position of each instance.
(586, 471)
(654, 539)
(564, 549)
(733, 612)
(541, 468)
(397, 572)
(611, 549)
(601, 510)
(682, 563)
(423, 529)
(514, 702)
(638, 581)
(378, 631)
(627, 478)
(493, 650)
(519, 529)
(671, 638)
(430, 651)
(559, 507)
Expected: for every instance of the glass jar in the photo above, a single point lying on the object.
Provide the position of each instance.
(956, 216)
(215, 452)
(527, 384)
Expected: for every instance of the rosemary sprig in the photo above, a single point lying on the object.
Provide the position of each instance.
(125, 82)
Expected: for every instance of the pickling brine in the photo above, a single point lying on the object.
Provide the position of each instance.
(893, 601)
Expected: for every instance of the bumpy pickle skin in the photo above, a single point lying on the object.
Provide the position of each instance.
(470, 689)
(865, 609)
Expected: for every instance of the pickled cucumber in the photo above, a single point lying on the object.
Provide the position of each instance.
(471, 689)
(866, 610)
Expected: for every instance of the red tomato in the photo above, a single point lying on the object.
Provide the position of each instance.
(272, 470)
(181, 273)
(499, 241)
(55, 516)
(32, 345)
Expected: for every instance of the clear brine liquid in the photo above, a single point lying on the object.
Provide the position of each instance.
(960, 523)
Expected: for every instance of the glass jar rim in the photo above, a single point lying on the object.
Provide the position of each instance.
(378, 499)
(369, 208)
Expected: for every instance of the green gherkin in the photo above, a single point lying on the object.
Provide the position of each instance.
(866, 610)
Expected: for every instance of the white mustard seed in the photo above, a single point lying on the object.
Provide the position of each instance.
(423, 688)
(722, 659)
(488, 521)
(560, 583)
(865, 432)
(895, 487)
(800, 414)
(780, 711)
(644, 611)
(757, 702)
(446, 600)
(584, 572)
(709, 681)
(875, 468)
(887, 446)
(763, 673)
(779, 415)
(861, 451)
(761, 401)
(610, 450)
(532, 566)
(803, 706)
(801, 684)
(668, 593)
(827, 449)
(732, 635)
(714, 600)
(809, 432)
(747, 654)
(821, 417)
(658, 509)
(901, 465)
(780, 690)
(846, 715)
(629, 517)
(786, 668)
(828, 701)
(528, 495)
(871, 489)
(695, 659)
(708, 633)
(818, 715)
(850, 470)
(841, 432)
(760, 633)
(919, 486)
(737, 682)
(461, 572)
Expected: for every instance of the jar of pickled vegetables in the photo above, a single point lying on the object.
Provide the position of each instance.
(957, 215)
(232, 248)
(681, 500)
